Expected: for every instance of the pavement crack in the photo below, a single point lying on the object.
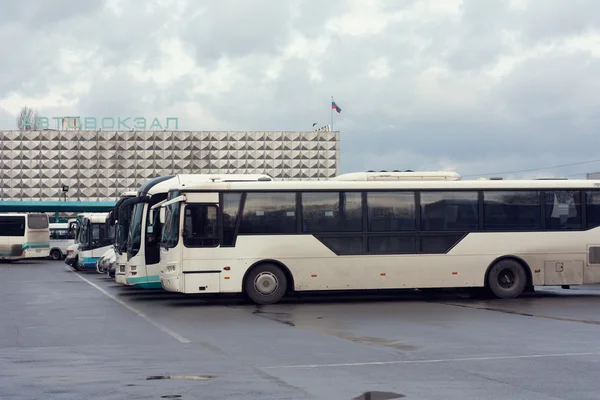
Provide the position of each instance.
(500, 310)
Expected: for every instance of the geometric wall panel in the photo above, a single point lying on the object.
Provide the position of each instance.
(99, 165)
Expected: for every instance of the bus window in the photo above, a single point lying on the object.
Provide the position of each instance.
(331, 212)
(592, 200)
(512, 210)
(60, 234)
(563, 209)
(269, 213)
(12, 226)
(449, 211)
(200, 227)
(95, 235)
(37, 221)
(391, 211)
(230, 206)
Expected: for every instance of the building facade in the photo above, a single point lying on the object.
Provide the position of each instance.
(100, 165)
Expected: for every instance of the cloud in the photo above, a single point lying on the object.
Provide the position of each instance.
(481, 87)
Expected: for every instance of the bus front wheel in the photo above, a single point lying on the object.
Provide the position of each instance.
(265, 284)
(507, 279)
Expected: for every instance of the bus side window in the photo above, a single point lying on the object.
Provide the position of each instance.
(200, 228)
(592, 205)
(512, 210)
(563, 209)
(269, 213)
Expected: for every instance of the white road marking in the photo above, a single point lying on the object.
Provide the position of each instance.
(138, 312)
(442, 360)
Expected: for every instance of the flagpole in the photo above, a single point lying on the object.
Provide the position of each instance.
(331, 109)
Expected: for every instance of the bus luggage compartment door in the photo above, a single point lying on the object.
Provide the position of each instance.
(558, 273)
(201, 281)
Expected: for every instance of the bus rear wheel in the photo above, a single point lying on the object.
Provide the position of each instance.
(56, 254)
(265, 284)
(507, 279)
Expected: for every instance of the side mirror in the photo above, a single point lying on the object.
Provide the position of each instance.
(162, 215)
(151, 218)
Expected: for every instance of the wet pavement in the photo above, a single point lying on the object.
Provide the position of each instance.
(67, 335)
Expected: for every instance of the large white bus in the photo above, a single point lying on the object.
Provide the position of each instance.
(61, 237)
(94, 240)
(143, 253)
(120, 217)
(265, 240)
(24, 236)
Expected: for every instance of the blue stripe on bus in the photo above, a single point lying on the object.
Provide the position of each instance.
(89, 262)
(36, 245)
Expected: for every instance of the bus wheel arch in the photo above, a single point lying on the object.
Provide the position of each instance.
(276, 270)
(516, 266)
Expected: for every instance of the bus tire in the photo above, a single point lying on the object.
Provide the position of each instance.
(507, 279)
(265, 284)
(56, 254)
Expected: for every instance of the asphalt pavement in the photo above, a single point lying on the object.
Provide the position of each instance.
(78, 335)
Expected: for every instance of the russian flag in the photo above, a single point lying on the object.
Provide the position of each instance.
(335, 107)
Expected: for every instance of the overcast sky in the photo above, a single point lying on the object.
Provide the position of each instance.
(475, 86)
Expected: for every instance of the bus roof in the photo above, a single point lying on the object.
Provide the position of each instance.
(96, 217)
(21, 214)
(393, 185)
(184, 180)
(399, 176)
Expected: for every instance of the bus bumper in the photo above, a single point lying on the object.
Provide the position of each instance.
(36, 253)
(171, 283)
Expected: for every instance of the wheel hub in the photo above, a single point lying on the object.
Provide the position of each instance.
(266, 283)
(506, 278)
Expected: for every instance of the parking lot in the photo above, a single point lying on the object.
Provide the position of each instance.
(67, 335)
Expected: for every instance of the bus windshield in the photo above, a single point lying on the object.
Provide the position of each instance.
(171, 227)
(135, 230)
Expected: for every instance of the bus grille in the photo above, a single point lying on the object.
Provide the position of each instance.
(594, 254)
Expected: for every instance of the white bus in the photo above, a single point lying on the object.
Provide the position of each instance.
(265, 240)
(73, 250)
(94, 240)
(24, 236)
(120, 217)
(143, 253)
(61, 237)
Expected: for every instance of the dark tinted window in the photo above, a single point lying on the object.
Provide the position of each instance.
(592, 208)
(391, 211)
(200, 226)
(518, 210)
(563, 209)
(393, 244)
(449, 211)
(438, 244)
(230, 206)
(37, 221)
(269, 213)
(331, 212)
(12, 226)
(60, 234)
(344, 245)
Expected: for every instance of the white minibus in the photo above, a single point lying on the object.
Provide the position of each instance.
(24, 235)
